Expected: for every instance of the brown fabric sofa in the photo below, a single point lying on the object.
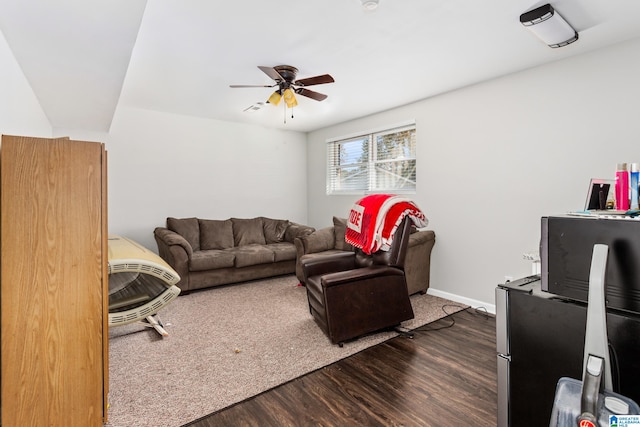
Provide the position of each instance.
(207, 253)
(330, 240)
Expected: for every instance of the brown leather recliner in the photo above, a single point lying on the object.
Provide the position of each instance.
(351, 294)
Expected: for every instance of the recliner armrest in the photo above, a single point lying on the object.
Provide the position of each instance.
(359, 274)
(328, 264)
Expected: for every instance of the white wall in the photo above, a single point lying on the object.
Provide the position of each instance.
(495, 157)
(20, 111)
(163, 165)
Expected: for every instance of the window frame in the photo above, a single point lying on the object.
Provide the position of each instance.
(333, 158)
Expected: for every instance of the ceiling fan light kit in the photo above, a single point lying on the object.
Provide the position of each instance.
(547, 24)
(287, 85)
(274, 98)
(289, 98)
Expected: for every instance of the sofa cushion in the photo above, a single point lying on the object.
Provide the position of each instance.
(283, 251)
(248, 231)
(247, 255)
(212, 259)
(216, 234)
(274, 229)
(340, 229)
(187, 228)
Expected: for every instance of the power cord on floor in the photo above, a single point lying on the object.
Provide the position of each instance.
(452, 321)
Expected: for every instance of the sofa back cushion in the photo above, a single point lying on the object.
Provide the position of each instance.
(248, 231)
(187, 228)
(274, 229)
(215, 234)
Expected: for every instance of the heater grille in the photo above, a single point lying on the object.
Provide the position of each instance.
(142, 312)
(119, 266)
(140, 282)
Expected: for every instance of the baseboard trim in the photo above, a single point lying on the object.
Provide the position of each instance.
(491, 308)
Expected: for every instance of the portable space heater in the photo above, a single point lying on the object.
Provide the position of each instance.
(140, 284)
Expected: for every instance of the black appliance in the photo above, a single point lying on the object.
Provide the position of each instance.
(540, 338)
(566, 244)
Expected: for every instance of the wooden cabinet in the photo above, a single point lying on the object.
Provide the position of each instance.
(53, 282)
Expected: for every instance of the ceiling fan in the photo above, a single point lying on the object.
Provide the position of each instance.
(284, 77)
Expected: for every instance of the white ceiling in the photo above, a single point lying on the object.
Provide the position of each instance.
(84, 58)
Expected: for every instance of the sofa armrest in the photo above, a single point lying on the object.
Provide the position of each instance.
(417, 265)
(297, 230)
(176, 251)
(422, 237)
(318, 241)
(330, 263)
(166, 238)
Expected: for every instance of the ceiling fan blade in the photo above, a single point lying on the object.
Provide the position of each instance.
(311, 94)
(317, 80)
(252, 85)
(271, 72)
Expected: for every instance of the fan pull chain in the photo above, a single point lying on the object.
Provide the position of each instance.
(284, 106)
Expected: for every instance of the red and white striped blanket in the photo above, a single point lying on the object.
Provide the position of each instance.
(374, 219)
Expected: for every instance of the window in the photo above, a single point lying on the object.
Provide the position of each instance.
(377, 162)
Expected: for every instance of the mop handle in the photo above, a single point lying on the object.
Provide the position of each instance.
(596, 342)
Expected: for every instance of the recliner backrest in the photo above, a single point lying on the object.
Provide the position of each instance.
(396, 254)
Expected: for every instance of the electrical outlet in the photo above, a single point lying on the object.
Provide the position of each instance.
(508, 279)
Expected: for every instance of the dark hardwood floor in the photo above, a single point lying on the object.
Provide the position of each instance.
(443, 376)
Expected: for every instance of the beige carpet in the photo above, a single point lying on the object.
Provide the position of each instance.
(225, 345)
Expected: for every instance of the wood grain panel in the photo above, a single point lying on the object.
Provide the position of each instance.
(52, 282)
(105, 289)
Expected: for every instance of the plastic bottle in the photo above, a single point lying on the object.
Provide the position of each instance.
(634, 181)
(622, 187)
